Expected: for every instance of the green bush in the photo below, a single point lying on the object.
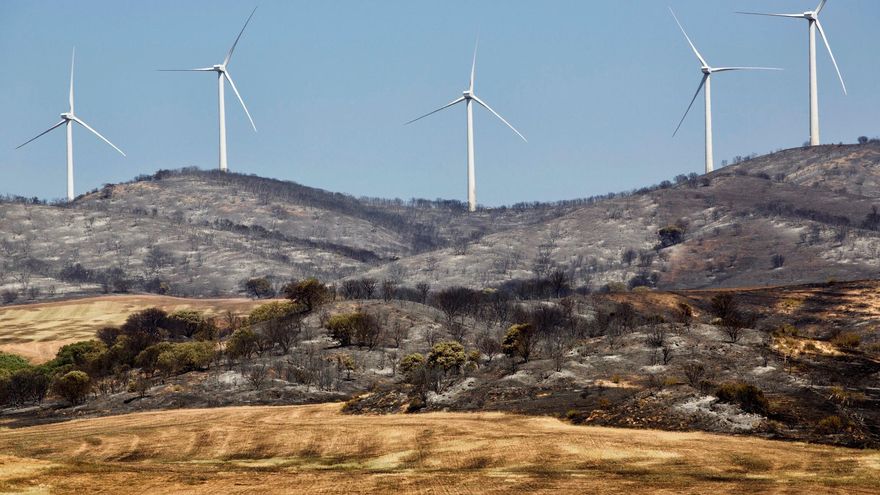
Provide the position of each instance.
(12, 362)
(89, 356)
(748, 397)
(24, 385)
(185, 357)
(73, 386)
(190, 324)
(241, 344)
(271, 311)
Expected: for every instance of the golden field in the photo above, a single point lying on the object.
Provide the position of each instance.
(37, 331)
(315, 449)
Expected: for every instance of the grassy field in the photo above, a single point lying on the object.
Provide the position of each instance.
(315, 449)
(37, 331)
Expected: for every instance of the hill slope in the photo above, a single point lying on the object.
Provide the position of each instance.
(795, 216)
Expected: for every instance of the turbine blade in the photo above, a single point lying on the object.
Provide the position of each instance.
(232, 49)
(457, 100)
(791, 16)
(200, 69)
(828, 46)
(694, 48)
(725, 69)
(820, 7)
(40, 134)
(474, 65)
(699, 88)
(96, 133)
(72, 59)
(487, 107)
(234, 89)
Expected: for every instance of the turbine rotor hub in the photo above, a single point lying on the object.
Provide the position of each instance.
(67, 116)
(468, 94)
(706, 70)
(219, 68)
(810, 15)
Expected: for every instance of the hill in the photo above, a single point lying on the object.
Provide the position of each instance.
(314, 449)
(797, 216)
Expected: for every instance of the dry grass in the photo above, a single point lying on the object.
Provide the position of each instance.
(37, 331)
(314, 449)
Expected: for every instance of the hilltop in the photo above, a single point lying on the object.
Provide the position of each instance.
(796, 216)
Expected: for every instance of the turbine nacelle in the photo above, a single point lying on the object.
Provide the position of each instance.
(706, 69)
(67, 116)
(813, 16)
(468, 94)
(219, 68)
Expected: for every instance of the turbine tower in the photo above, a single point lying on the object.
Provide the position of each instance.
(706, 83)
(469, 97)
(812, 18)
(67, 119)
(223, 73)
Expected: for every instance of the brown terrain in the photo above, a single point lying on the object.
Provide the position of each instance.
(37, 331)
(314, 449)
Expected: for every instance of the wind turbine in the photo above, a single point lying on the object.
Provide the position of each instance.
(706, 83)
(223, 73)
(469, 97)
(812, 18)
(67, 119)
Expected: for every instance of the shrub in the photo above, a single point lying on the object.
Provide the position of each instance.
(23, 386)
(73, 386)
(670, 235)
(190, 324)
(411, 362)
(848, 341)
(748, 397)
(271, 311)
(830, 425)
(184, 357)
(355, 328)
(694, 372)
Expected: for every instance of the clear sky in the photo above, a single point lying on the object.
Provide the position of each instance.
(596, 87)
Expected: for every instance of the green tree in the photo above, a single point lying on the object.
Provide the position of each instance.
(241, 344)
(519, 341)
(310, 293)
(259, 288)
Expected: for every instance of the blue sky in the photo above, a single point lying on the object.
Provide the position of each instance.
(596, 87)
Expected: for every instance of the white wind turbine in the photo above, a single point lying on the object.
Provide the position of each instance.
(469, 97)
(68, 118)
(706, 83)
(812, 18)
(223, 73)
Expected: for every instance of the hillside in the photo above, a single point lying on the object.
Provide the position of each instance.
(796, 216)
(620, 359)
(314, 449)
